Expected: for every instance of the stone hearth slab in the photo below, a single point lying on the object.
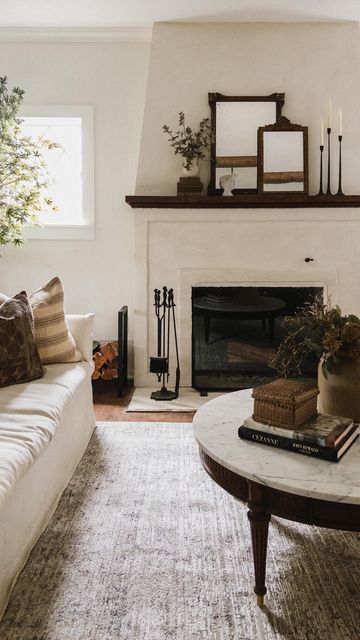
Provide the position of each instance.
(188, 400)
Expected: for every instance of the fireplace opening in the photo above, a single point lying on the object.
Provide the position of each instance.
(236, 330)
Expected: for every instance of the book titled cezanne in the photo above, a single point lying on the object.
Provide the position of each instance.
(324, 436)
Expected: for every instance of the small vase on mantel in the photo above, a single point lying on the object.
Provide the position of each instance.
(190, 183)
(193, 170)
(340, 391)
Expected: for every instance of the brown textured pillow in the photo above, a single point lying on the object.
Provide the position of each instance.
(19, 355)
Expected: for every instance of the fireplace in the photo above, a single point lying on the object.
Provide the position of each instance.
(187, 250)
(237, 329)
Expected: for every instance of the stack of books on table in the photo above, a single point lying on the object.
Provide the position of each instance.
(324, 436)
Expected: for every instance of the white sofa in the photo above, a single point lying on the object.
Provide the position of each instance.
(45, 426)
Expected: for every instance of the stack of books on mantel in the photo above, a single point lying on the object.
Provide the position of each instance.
(324, 436)
(189, 186)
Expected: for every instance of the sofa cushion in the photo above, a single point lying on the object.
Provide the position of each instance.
(81, 328)
(52, 334)
(29, 417)
(19, 355)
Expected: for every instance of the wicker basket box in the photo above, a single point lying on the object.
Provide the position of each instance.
(285, 403)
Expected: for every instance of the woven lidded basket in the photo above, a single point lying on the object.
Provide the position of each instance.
(285, 403)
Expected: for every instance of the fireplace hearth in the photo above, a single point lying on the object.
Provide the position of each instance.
(237, 329)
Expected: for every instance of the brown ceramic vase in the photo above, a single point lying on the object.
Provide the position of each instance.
(340, 391)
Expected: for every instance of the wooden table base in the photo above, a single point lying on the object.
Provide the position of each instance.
(259, 526)
(263, 502)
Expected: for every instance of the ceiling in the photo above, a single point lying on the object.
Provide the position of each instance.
(143, 13)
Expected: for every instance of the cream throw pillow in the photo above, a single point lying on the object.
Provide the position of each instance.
(52, 335)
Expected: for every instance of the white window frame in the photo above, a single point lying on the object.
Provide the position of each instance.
(85, 231)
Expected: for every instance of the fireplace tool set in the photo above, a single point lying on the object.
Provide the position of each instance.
(166, 323)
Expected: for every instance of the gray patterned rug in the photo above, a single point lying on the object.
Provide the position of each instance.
(144, 546)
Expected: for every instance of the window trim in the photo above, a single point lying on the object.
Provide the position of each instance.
(85, 231)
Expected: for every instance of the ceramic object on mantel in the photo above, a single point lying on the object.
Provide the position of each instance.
(227, 183)
(193, 170)
(340, 391)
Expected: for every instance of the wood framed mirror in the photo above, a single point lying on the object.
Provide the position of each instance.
(283, 158)
(235, 121)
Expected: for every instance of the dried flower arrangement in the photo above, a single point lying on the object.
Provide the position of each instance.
(189, 144)
(319, 331)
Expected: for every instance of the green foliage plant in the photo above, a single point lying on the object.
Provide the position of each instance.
(23, 174)
(190, 144)
(317, 331)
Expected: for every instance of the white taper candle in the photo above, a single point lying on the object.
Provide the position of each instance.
(340, 122)
(329, 115)
(322, 131)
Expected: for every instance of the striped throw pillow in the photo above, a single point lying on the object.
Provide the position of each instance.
(52, 335)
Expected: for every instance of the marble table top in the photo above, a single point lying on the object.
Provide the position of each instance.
(215, 427)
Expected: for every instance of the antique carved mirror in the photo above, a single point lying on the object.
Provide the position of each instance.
(235, 121)
(283, 158)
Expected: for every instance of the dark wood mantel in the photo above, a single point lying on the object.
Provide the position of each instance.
(248, 201)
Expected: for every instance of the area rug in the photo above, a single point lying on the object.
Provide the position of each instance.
(145, 546)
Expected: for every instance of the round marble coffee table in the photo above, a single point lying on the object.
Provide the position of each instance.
(273, 481)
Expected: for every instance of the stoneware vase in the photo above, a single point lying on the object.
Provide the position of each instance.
(340, 391)
(193, 170)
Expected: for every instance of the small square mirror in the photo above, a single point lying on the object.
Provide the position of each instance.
(283, 158)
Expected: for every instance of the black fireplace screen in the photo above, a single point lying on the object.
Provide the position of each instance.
(236, 330)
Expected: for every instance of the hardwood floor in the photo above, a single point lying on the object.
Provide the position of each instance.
(108, 407)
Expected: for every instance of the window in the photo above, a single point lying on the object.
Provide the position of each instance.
(71, 167)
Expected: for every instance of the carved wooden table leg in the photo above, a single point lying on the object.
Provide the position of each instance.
(259, 525)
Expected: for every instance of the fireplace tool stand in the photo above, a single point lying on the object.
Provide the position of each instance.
(159, 364)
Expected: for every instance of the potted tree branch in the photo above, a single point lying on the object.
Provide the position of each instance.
(23, 174)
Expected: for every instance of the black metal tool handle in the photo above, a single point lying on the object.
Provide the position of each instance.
(157, 313)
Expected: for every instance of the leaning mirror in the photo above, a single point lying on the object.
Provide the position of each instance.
(283, 158)
(235, 121)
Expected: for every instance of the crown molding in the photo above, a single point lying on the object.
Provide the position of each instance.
(46, 34)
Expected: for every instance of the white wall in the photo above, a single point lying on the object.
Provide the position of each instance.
(97, 275)
(310, 62)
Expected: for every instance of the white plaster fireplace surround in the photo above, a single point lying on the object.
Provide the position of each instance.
(183, 248)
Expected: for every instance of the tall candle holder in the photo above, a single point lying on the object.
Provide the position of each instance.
(328, 190)
(321, 193)
(339, 191)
